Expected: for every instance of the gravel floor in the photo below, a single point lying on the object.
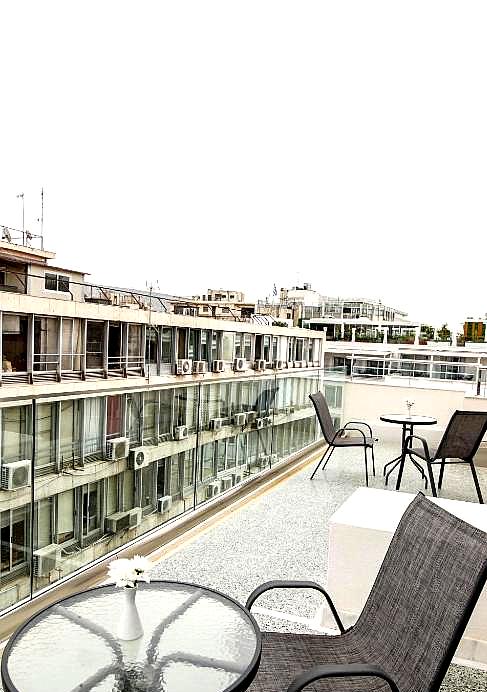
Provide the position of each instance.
(283, 534)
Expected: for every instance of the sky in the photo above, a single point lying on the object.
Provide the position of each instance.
(224, 144)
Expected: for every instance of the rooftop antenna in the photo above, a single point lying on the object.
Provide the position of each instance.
(150, 285)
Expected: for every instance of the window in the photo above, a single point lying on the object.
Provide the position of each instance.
(56, 282)
(227, 346)
(166, 355)
(16, 433)
(90, 508)
(14, 535)
(46, 434)
(93, 416)
(14, 343)
(114, 416)
(65, 516)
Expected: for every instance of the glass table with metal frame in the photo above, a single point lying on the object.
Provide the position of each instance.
(194, 638)
(408, 423)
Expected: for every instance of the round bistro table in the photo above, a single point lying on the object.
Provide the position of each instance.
(194, 639)
(408, 423)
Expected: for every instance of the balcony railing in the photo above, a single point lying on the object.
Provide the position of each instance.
(178, 448)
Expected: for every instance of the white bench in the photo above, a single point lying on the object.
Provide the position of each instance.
(359, 534)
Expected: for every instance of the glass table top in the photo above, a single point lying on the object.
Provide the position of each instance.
(194, 638)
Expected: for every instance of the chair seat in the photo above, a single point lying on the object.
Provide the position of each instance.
(355, 441)
(419, 452)
(286, 655)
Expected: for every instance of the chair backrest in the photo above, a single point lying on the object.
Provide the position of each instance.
(423, 596)
(463, 435)
(324, 417)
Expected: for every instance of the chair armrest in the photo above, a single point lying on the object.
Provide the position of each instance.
(345, 429)
(286, 584)
(409, 438)
(358, 422)
(351, 670)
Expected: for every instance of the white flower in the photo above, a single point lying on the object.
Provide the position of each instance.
(127, 572)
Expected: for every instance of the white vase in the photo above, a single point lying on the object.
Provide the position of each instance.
(129, 626)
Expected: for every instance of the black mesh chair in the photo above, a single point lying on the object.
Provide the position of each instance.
(334, 438)
(408, 631)
(460, 442)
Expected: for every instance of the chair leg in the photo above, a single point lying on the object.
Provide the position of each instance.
(319, 463)
(432, 479)
(366, 467)
(332, 449)
(373, 460)
(476, 481)
(440, 478)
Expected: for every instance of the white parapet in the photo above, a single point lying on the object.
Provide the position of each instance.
(359, 534)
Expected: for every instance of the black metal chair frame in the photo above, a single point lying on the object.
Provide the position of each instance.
(442, 461)
(371, 670)
(338, 434)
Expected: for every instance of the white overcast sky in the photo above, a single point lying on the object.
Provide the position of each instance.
(241, 144)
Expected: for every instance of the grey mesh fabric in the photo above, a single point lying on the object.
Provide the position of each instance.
(462, 436)
(328, 429)
(428, 579)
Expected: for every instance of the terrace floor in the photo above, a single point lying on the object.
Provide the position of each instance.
(283, 534)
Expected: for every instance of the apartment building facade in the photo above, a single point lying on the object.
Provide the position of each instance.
(117, 415)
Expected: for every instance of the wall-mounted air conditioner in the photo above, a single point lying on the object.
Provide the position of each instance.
(180, 432)
(259, 364)
(267, 420)
(259, 423)
(184, 366)
(262, 461)
(120, 521)
(164, 504)
(290, 409)
(15, 475)
(135, 517)
(216, 423)
(212, 489)
(273, 458)
(298, 363)
(237, 478)
(46, 559)
(227, 483)
(251, 416)
(239, 364)
(164, 437)
(200, 367)
(279, 364)
(218, 366)
(240, 419)
(118, 448)
(138, 458)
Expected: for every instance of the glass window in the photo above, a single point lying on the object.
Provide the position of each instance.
(189, 467)
(227, 346)
(46, 434)
(165, 411)
(14, 343)
(204, 346)
(50, 282)
(95, 338)
(46, 331)
(114, 416)
(44, 522)
(93, 417)
(16, 433)
(111, 495)
(90, 508)
(14, 535)
(238, 345)
(266, 348)
(166, 355)
(134, 416)
(151, 349)
(128, 490)
(72, 344)
(134, 354)
(207, 462)
(69, 430)
(151, 412)
(65, 516)
(147, 487)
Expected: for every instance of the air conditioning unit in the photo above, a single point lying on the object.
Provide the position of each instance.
(200, 367)
(267, 420)
(240, 419)
(120, 521)
(138, 458)
(218, 366)
(46, 559)
(236, 478)
(290, 409)
(118, 448)
(180, 432)
(16, 475)
(251, 416)
(273, 458)
(239, 364)
(262, 461)
(259, 364)
(279, 364)
(212, 489)
(259, 423)
(227, 483)
(298, 363)
(216, 423)
(135, 517)
(164, 437)
(164, 504)
(184, 366)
